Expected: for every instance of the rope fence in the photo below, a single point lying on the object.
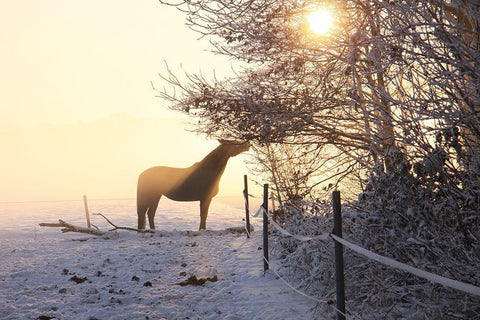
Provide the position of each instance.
(340, 242)
(327, 301)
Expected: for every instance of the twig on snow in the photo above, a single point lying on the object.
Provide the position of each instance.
(115, 227)
(68, 227)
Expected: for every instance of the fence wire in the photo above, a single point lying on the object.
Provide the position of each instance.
(458, 285)
(327, 301)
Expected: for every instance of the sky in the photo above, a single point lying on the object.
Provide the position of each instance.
(78, 112)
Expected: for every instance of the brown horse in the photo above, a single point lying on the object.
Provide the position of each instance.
(196, 183)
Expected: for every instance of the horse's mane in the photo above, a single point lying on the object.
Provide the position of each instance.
(215, 156)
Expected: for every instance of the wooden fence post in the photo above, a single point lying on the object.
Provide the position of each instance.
(339, 276)
(87, 214)
(247, 213)
(265, 228)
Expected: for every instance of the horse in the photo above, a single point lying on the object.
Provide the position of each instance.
(196, 183)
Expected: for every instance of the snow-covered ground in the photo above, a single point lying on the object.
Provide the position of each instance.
(44, 273)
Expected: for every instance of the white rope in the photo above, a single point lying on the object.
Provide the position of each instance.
(461, 286)
(256, 214)
(324, 236)
(260, 210)
(292, 287)
(303, 293)
(465, 287)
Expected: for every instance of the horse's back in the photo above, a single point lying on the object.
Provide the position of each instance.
(181, 184)
(160, 180)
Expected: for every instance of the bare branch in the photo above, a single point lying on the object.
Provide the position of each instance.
(67, 227)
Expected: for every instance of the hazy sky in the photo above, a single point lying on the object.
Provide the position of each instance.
(78, 112)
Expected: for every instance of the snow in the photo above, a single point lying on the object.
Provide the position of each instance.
(136, 276)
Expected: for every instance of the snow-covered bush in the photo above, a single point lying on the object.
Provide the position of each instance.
(402, 216)
(414, 219)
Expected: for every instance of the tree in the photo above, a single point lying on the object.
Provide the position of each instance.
(390, 95)
(284, 97)
(392, 84)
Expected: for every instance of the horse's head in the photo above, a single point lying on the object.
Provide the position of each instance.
(235, 147)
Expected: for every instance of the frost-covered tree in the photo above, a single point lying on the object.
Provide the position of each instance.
(392, 92)
(296, 88)
(393, 83)
(434, 94)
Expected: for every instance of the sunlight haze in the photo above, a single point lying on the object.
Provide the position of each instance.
(78, 111)
(320, 20)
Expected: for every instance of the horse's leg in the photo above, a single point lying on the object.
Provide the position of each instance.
(152, 208)
(204, 205)
(142, 208)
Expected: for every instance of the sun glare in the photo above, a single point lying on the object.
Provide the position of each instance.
(320, 20)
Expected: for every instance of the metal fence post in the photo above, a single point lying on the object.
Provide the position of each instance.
(247, 213)
(339, 276)
(265, 228)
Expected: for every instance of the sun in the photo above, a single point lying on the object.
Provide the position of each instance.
(320, 20)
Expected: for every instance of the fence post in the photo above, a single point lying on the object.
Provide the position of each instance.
(337, 230)
(247, 213)
(265, 228)
(87, 214)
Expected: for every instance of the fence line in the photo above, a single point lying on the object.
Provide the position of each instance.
(247, 206)
(455, 284)
(339, 265)
(267, 266)
(434, 278)
(265, 228)
(323, 236)
(462, 286)
(306, 295)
